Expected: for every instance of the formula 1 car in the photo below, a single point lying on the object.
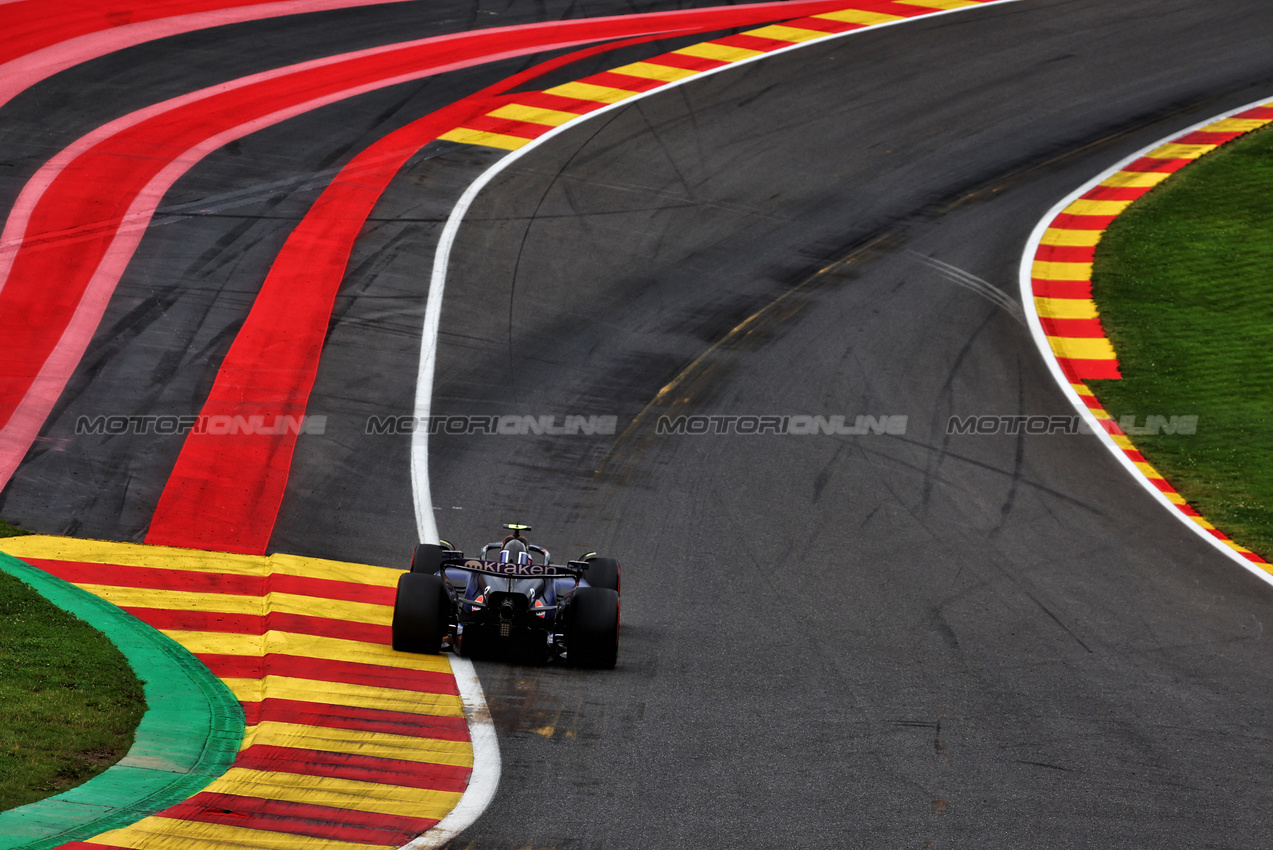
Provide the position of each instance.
(513, 606)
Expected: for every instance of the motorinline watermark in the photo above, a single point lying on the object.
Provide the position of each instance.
(503, 425)
(984, 425)
(216, 425)
(781, 424)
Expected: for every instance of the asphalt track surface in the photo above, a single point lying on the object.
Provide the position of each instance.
(866, 641)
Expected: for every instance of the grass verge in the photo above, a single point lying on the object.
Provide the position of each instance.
(1184, 283)
(71, 701)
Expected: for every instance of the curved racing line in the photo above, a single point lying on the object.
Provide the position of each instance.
(266, 625)
(270, 368)
(533, 118)
(1056, 289)
(85, 239)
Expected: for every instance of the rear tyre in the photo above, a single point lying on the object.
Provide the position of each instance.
(419, 613)
(594, 628)
(427, 558)
(603, 572)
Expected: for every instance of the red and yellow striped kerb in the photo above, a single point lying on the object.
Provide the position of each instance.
(348, 746)
(532, 114)
(1062, 278)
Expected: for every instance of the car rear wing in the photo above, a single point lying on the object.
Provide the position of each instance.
(575, 569)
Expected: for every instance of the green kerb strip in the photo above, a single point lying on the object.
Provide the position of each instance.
(189, 735)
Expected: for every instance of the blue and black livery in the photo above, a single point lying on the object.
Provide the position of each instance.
(519, 605)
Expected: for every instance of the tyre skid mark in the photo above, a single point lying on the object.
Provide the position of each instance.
(271, 366)
(82, 216)
(514, 125)
(594, 96)
(291, 798)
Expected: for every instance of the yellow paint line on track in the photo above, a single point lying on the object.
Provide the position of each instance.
(351, 794)
(1148, 469)
(587, 91)
(294, 565)
(533, 114)
(133, 555)
(1061, 271)
(941, 4)
(652, 71)
(168, 558)
(158, 833)
(1084, 206)
(356, 741)
(719, 52)
(481, 137)
(1071, 238)
(1235, 125)
(339, 693)
(368, 798)
(1082, 348)
(228, 603)
(1135, 179)
(308, 646)
(1083, 357)
(666, 70)
(778, 32)
(859, 16)
(155, 833)
(1066, 308)
(178, 600)
(1178, 151)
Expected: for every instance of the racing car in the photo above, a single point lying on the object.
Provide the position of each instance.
(516, 604)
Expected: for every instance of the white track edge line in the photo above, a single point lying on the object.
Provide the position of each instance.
(425, 521)
(1041, 342)
(486, 761)
(484, 779)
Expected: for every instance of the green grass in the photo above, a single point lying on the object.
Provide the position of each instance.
(71, 702)
(7, 530)
(1184, 283)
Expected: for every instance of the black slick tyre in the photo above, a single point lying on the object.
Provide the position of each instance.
(594, 628)
(427, 558)
(603, 572)
(419, 614)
